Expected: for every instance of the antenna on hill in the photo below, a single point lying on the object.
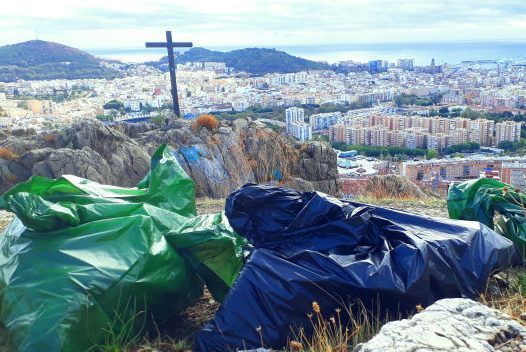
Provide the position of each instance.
(36, 34)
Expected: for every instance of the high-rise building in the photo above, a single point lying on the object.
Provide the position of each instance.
(406, 64)
(293, 115)
(376, 66)
(324, 121)
(507, 131)
(377, 136)
(301, 131)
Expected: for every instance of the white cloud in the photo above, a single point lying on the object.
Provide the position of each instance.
(128, 23)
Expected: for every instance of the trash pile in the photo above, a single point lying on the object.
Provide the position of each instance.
(493, 203)
(311, 247)
(82, 259)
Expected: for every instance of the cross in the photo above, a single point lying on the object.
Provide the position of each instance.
(170, 46)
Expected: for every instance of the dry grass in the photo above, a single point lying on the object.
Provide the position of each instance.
(8, 154)
(392, 186)
(5, 219)
(49, 138)
(506, 291)
(333, 334)
(207, 121)
(429, 206)
(163, 344)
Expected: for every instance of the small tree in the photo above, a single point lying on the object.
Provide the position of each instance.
(431, 154)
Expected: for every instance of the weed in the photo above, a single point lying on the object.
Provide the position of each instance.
(345, 328)
(506, 291)
(124, 331)
(8, 154)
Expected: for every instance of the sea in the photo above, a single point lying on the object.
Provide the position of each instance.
(422, 53)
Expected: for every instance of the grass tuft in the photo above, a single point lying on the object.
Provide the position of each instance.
(333, 334)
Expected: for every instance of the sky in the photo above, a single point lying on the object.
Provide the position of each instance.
(271, 23)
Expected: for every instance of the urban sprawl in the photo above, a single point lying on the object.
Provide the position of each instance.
(376, 86)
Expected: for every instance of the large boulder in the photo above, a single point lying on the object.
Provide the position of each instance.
(453, 324)
(83, 162)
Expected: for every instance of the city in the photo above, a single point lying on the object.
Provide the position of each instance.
(263, 176)
(375, 104)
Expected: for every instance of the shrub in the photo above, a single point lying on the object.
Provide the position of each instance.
(49, 138)
(8, 154)
(208, 121)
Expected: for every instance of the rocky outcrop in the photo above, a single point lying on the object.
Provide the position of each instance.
(219, 160)
(454, 324)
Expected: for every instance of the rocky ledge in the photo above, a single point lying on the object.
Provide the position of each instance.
(218, 160)
(453, 324)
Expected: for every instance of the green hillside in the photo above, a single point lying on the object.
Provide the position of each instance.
(40, 60)
(256, 61)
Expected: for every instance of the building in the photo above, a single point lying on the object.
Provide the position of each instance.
(293, 115)
(514, 173)
(324, 121)
(507, 131)
(459, 169)
(376, 66)
(406, 64)
(295, 124)
(40, 107)
(377, 136)
(301, 131)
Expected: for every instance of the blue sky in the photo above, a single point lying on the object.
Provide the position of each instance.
(129, 23)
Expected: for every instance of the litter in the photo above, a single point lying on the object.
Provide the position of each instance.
(493, 203)
(312, 247)
(83, 258)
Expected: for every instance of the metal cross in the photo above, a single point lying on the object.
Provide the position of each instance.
(171, 63)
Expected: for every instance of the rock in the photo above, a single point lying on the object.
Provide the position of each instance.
(218, 161)
(85, 163)
(453, 324)
(299, 184)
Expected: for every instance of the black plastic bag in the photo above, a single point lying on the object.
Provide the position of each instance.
(311, 247)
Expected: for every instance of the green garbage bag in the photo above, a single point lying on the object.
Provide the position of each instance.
(83, 258)
(493, 203)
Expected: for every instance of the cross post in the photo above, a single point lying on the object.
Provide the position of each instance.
(169, 45)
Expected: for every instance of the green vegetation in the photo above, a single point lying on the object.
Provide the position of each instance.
(22, 105)
(382, 152)
(411, 99)
(514, 147)
(40, 60)
(257, 61)
(105, 118)
(495, 116)
(467, 147)
(59, 96)
(278, 113)
(157, 119)
(431, 154)
(113, 104)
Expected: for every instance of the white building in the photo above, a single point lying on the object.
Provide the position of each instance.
(295, 124)
(325, 120)
(301, 131)
(294, 115)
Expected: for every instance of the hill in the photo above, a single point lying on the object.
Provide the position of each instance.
(257, 61)
(39, 60)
